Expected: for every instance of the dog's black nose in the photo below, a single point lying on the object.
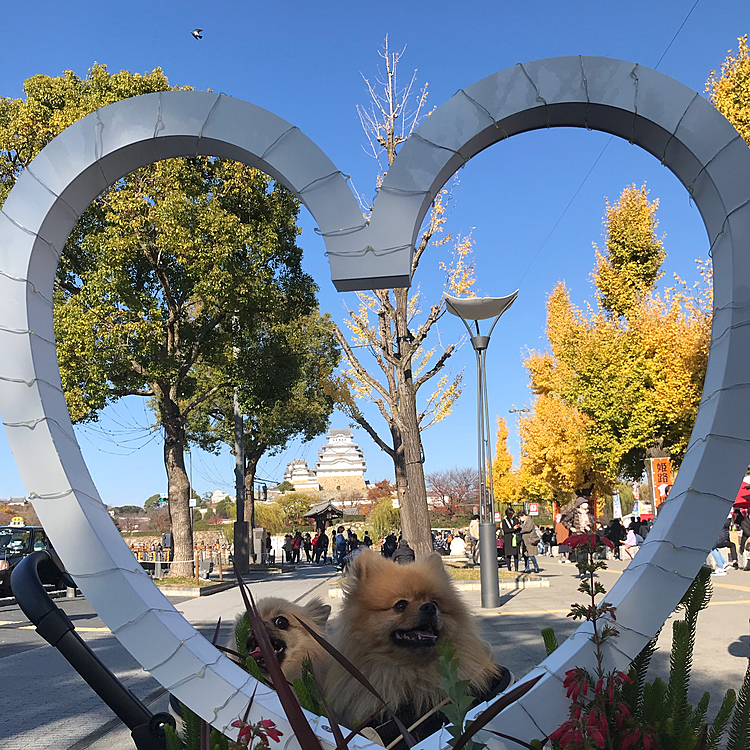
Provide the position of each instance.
(429, 609)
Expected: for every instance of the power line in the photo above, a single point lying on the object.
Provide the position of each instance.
(601, 153)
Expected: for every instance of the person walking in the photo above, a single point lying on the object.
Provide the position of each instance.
(367, 541)
(474, 539)
(404, 553)
(321, 549)
(307, 546)
(531, 537)
(288, 547)
(510, 527)
(297, 546)
(389, 545)
(340, 546)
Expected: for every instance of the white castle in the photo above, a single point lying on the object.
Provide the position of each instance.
(340, 467)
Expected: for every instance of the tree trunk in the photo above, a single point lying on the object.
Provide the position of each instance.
(252, 456)
(179, 490)
(415, 515)
(399, 466)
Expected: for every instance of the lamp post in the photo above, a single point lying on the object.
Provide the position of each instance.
(472, 311)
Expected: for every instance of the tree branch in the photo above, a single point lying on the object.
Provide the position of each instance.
(358, 367)
(210, 392)
(422, 379)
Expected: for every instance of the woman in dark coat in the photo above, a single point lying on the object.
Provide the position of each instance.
(511, 538)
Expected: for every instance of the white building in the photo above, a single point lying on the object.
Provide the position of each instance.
(341, 464)
(298, 474)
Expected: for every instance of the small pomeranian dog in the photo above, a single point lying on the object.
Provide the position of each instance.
(393, 618)
(291, 642)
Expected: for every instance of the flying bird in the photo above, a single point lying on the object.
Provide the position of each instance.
(197, 33)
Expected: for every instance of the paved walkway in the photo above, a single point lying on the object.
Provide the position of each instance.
(62, 713)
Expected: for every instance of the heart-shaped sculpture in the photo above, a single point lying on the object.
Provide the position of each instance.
(669, 120)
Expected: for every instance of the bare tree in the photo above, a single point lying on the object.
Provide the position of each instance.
(388, 325)
(455, 490)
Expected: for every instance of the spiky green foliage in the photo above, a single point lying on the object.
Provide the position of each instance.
(307, 690)
(192, 723)
(550, 640)
(173, 741)
(459, 702)
(242, 630)
(664, 705)
(739, 731)
(633, 691)
(720, 722)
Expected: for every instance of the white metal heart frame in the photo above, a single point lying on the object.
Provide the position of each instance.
(669, 120)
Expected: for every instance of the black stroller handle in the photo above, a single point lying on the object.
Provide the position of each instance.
(56, 628)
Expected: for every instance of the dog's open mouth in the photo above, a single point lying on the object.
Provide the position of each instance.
(279, 648)
(418, 639)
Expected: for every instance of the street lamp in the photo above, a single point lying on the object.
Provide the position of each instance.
(473, 310)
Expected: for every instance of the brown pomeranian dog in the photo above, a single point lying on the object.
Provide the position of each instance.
(393, 618)
(291, 642)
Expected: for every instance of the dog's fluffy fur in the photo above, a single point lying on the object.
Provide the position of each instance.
(292, 643)
(392, 619)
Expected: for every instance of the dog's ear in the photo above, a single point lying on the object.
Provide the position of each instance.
(318, 612)
(435, 563)
(362, 566)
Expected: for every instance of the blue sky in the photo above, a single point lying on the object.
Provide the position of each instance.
(305, 62)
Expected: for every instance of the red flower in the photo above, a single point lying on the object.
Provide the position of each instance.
(271, 730)
(646, 742)
(604, 540)
(574, 541)
(598, 737)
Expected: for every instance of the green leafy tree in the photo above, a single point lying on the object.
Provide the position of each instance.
(152, 502)
(285, 393)
(384, 518)
(160, 272)
(294, 505)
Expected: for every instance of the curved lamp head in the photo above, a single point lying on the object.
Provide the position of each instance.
(479, 308)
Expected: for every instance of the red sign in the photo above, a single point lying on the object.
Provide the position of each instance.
(533, 509)
(661, 480)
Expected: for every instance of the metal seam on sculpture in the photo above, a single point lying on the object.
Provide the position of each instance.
(484, 109)
(196, 675)
(539, 97)
(99, 147)
(275, 142)
(520, 702)
(723, 388)
(147, 611)
(368, 249)
(118, 569)
(676, 548)
(320, 179)
(651, 564)
(265, 690)
(715, 435)
(23, 331)
(32, 423)
(51, 191)
(158, 122)
(677, 127)
(391, 190)
(712, 495)
(705, 166)
(208, 117)
(166, 659)
(718, 338)
(341, 232)
(31, 382)
(457, 152)
(30, 283)
(29, 232)
(586, 89)
(634, 76)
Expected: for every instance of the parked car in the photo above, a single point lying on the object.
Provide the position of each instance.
(18, 541)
